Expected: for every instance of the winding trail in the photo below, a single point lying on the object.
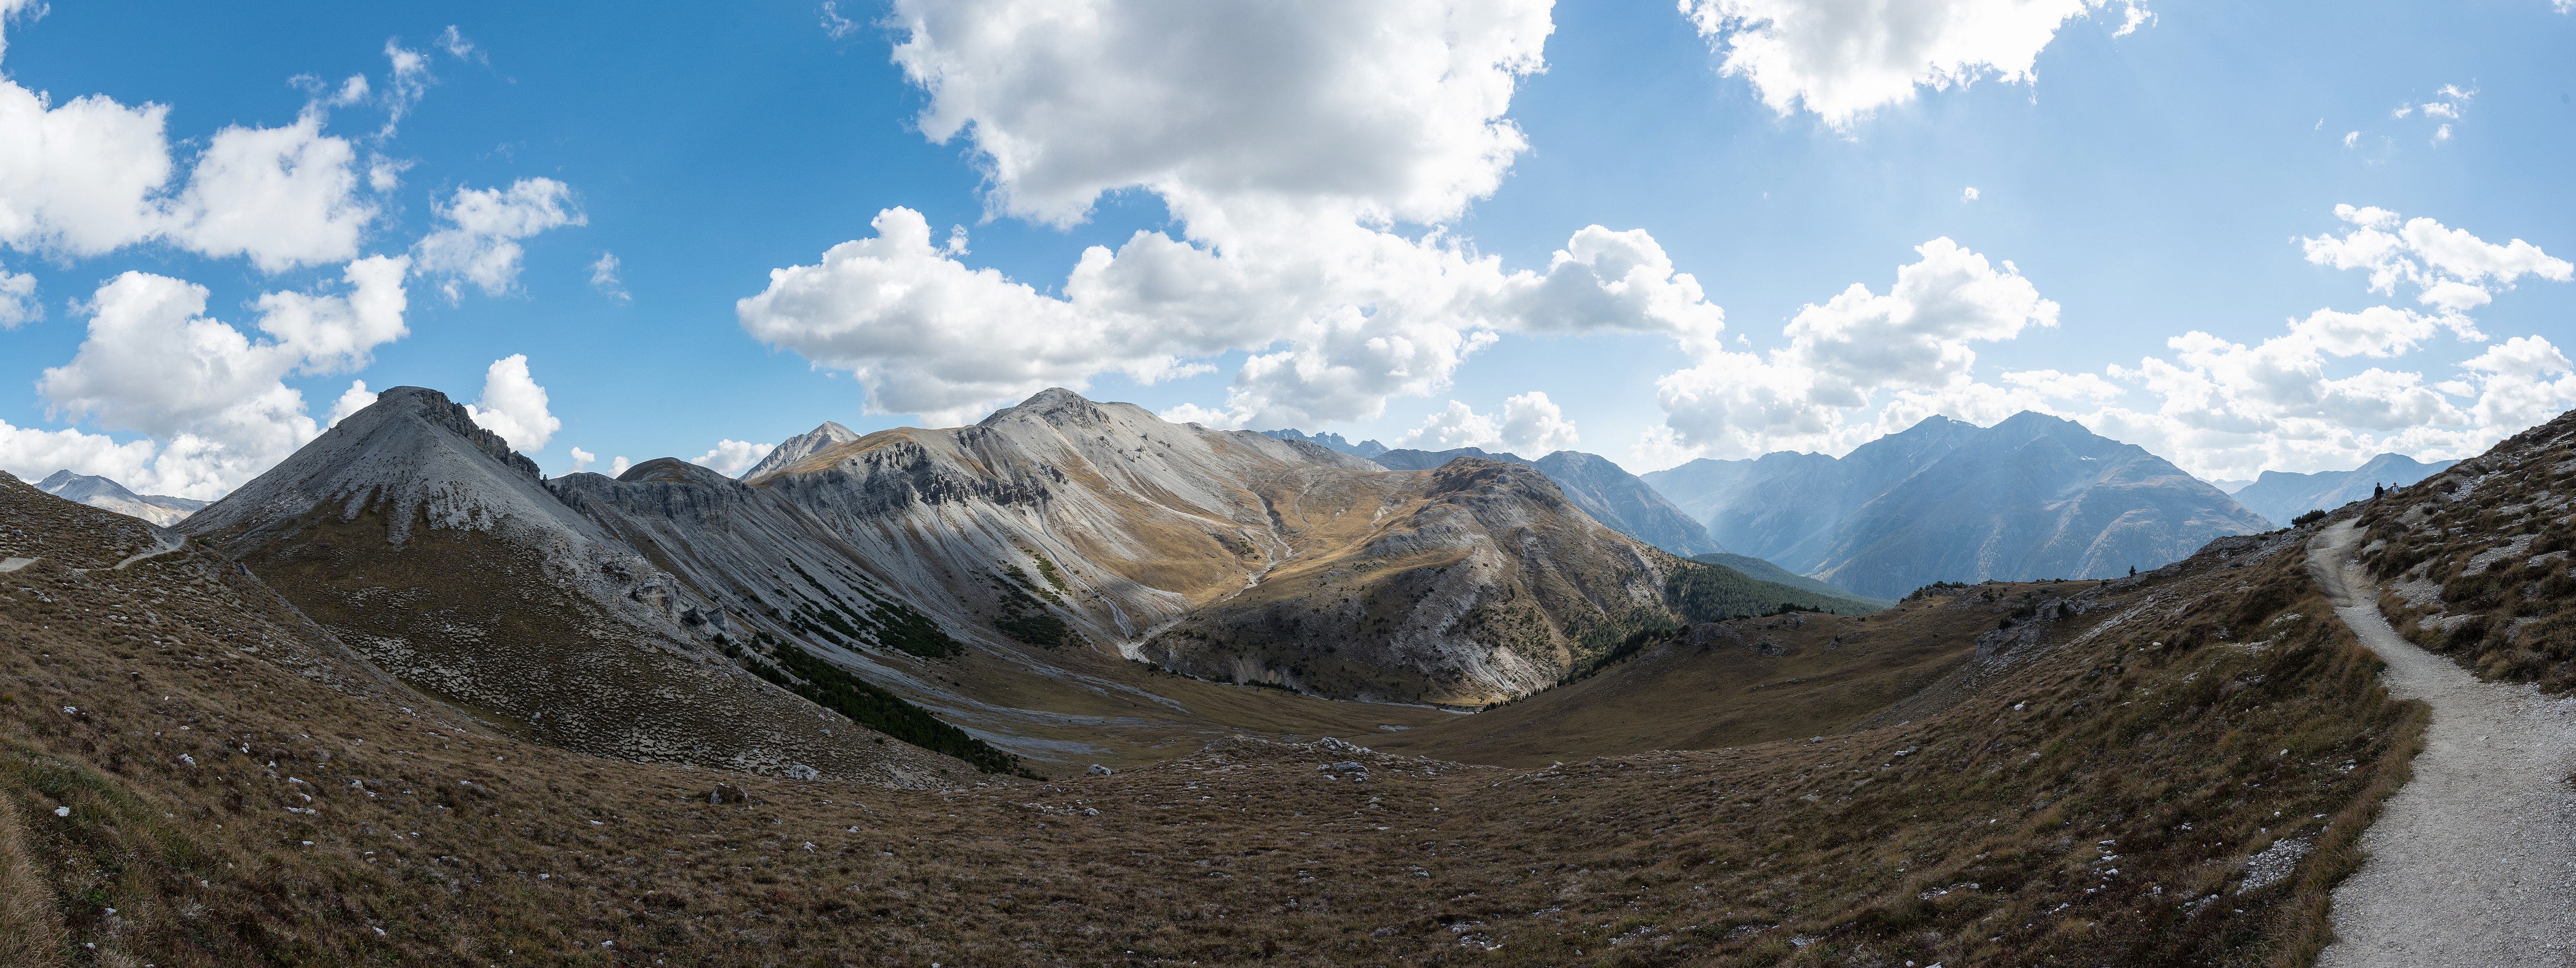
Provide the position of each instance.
(2473, 862)
(166, 542)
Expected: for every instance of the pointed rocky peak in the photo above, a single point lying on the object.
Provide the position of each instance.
(1054, 405)
(413, 455)
(801, 446)
(434, 409)
(82, 487)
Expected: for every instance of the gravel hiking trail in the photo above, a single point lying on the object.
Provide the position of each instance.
(2473, 861)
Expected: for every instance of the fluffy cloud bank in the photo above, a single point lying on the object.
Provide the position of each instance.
(477, 239)
(90, 176)
(1843, 59)
(1293, 143)
(1530, 425)
(732, 457)
(1912, 346)
(211, 395)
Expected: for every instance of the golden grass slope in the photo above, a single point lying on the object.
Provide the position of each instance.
(2095, 800)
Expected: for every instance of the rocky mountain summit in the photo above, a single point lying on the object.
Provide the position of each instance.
(100, 492)
(801, 446)
(2031, 497)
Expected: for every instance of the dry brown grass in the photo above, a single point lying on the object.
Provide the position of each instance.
(1781, 677)
(464, 847)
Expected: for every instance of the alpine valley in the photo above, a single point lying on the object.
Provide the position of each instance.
(1077, 684)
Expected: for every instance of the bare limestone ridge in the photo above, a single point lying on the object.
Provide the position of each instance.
(1600, 487)
(1241, 557)
(422, 541)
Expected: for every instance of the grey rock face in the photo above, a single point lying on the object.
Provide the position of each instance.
(428, 545)
(2282, 496)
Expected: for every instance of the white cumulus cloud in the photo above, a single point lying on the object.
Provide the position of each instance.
(1530, 425)
(2452, 269)
(357, 397)
(1292, 143)
(2332, 388)
(213, 397)
(732, 457)
(284, 197)
(90, 176)
(18, 305)
(1843, 59)
(603, 277)
(514, 406)
(1913, 343)
(479, 231)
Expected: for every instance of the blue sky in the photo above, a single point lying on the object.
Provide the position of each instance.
(1345, 232)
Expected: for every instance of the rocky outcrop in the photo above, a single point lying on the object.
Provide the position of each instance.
(1479, 582)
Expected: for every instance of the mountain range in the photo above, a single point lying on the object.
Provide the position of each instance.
(2280, 496)
(2031, 497)
(1365, 448)
(99, 492)
(979, 592)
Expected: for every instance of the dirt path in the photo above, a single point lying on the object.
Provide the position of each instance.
(167, 542)
(2474, 860)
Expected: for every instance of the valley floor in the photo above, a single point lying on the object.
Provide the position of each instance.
(2166, 770)
(2474, 861)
